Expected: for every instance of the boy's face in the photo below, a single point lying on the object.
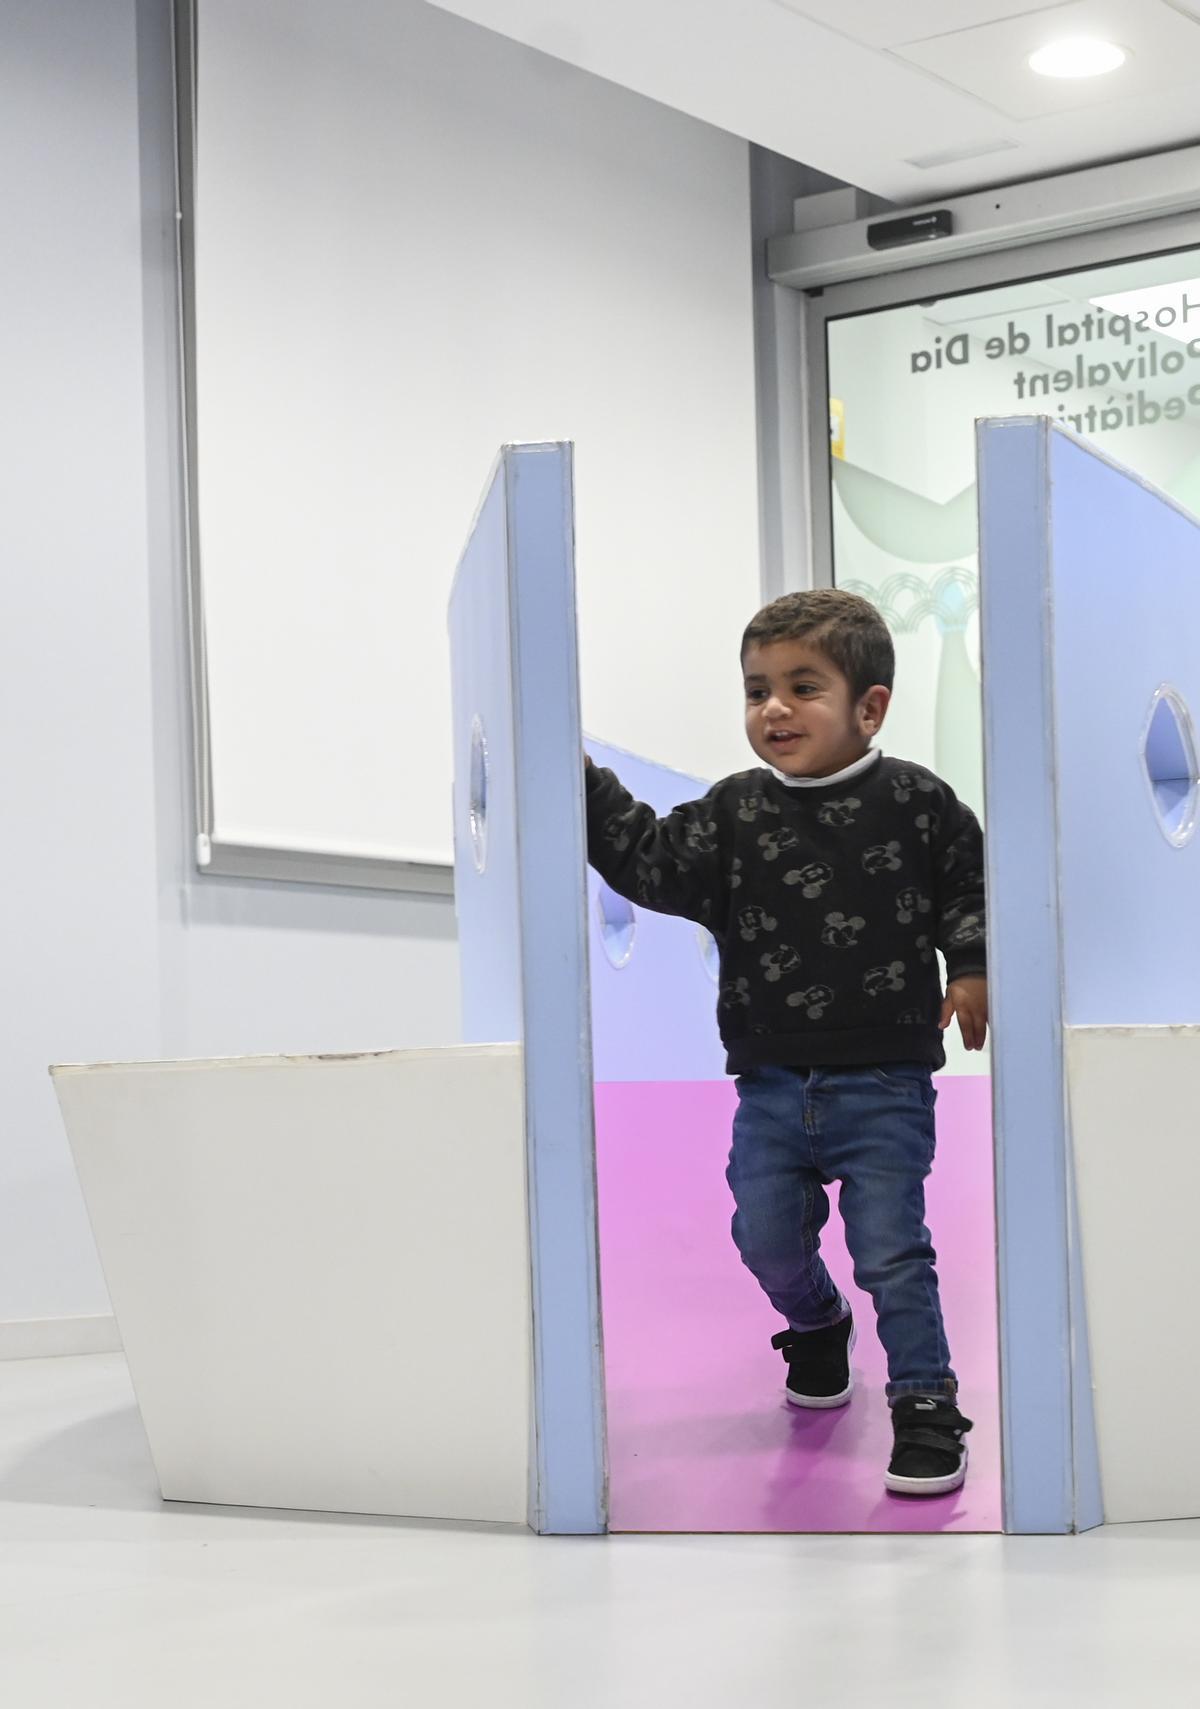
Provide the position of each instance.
(800, 715)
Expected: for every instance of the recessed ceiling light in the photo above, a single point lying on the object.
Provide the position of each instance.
(1077, 56)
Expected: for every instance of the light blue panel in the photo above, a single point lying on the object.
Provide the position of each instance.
(1025, 976)
(654, 1001)
(1126, 597)
(1127, 622)
(1091, 609)
(487, 903)
(522, 937)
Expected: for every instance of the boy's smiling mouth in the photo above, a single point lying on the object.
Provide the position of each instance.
(777, 737)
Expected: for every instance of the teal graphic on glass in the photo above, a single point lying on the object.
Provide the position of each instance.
(919, 530)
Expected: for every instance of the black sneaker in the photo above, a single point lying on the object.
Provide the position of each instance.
(818, 1362)
(929, 1456)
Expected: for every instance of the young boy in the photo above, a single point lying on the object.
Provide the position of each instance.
(828, 877)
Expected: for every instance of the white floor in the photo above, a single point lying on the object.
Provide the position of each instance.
(108, 1598)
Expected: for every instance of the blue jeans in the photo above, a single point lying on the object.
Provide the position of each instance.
(872, 1129)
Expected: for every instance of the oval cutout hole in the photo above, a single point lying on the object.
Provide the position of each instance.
(477, 805)
(1169, 759)
(618, 926)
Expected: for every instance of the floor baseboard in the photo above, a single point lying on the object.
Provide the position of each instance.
(59, 1337)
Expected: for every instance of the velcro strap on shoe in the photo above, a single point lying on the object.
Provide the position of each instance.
(922, 1436)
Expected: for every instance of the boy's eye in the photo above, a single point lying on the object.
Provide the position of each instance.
(756, 694)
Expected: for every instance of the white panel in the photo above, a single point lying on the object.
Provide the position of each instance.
(320, 1268)
(1133, 1106)
(417, 241)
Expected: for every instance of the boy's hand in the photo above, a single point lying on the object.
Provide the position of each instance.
(968, 999)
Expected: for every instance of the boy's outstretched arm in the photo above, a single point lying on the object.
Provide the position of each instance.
(962, 934)
(671, 865)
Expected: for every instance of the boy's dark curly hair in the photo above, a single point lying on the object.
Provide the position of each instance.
(847, 629)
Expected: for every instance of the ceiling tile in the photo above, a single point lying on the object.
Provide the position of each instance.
(953, 154)
(885, 23)
(858, 111)
(991, 60)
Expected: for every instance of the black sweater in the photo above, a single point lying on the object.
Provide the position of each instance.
(826, 902)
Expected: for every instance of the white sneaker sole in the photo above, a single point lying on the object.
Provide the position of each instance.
(826, 1402)
(929, 1486)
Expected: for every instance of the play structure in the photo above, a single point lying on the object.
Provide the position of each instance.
(496, 1282)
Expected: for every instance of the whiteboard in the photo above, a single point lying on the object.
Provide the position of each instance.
(412, 240)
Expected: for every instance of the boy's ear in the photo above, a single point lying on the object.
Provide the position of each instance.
(872, 709)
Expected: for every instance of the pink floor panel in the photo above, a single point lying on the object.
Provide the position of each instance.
(700, 1437)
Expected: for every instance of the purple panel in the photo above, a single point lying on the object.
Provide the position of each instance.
(654, 1016)
(700, 1437)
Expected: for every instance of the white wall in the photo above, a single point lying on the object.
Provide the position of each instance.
(113, 947)
(416, 240)
(77, 859)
